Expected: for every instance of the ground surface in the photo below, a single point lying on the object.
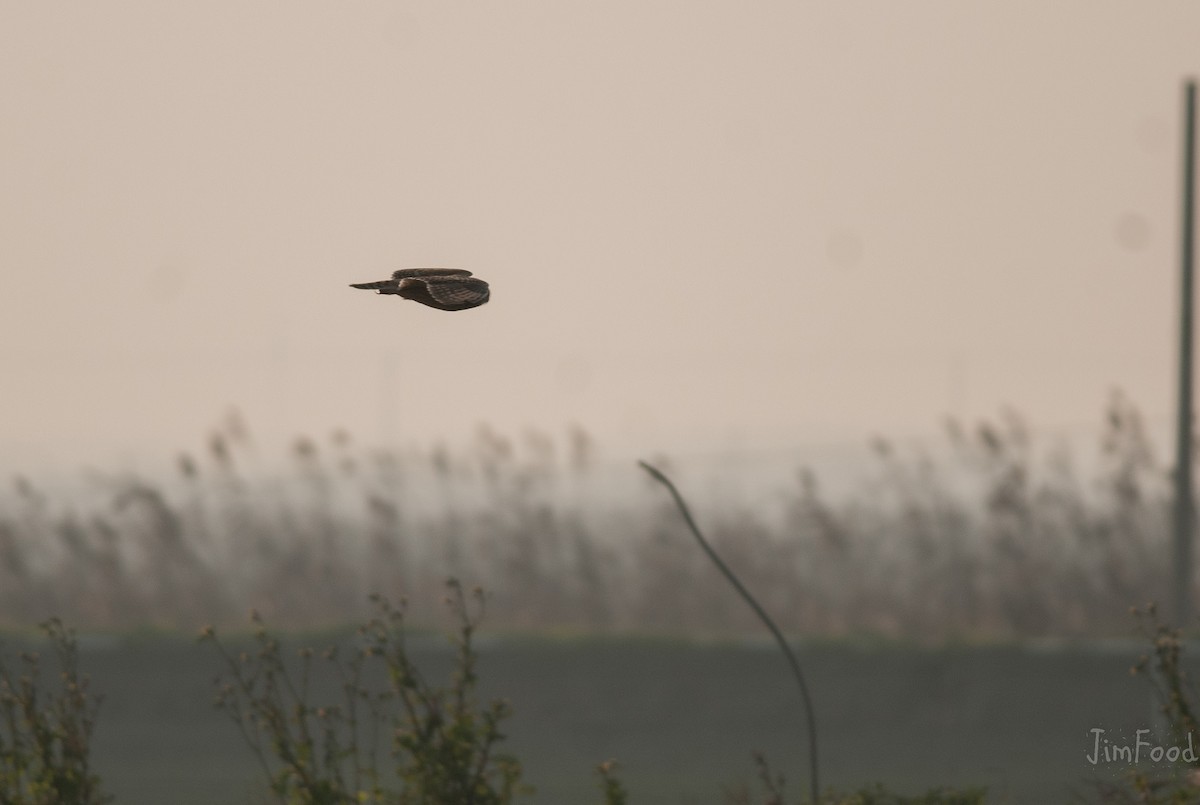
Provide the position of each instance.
(681, 719)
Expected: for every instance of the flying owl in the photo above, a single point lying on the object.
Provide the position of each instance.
(443, 288)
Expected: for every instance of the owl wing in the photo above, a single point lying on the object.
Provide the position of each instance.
(429, 272)
(452, 293)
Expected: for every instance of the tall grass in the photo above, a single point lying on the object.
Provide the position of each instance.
(1003, 538)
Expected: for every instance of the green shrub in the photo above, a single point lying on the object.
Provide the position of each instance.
(1163, 668)
(612, 788)
(773, 785)
(878, 795)
(443, 742)
(46, 733)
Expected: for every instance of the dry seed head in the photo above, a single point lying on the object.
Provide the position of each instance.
(187, 467)
(305, 449)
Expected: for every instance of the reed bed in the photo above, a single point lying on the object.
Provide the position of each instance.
(999, 539)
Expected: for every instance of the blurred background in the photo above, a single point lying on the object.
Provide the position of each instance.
(889, 289)
(799, 250)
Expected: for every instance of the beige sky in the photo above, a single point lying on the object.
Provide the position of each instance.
(706, 225)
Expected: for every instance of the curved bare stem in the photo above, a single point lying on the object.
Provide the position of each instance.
(814, 787)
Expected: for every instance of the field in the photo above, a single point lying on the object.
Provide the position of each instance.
(681, 718)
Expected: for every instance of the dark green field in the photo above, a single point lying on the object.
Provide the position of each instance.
(681, 719)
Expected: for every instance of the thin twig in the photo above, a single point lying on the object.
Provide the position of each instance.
(814, 787)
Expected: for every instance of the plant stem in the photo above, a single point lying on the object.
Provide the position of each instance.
(814, 787)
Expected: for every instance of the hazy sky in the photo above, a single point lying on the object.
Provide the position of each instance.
(706, 225)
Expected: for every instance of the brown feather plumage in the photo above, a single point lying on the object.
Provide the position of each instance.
(441, 288)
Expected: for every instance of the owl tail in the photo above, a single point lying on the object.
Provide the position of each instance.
(383, 286)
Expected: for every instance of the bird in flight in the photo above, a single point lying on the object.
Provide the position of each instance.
(443, 288)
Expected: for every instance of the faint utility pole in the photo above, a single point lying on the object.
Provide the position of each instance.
(1184, 510)
(389, 372)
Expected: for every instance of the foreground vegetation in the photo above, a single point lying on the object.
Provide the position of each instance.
(46, 731)
(390, 733)
(442, 743)
(437, 670)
